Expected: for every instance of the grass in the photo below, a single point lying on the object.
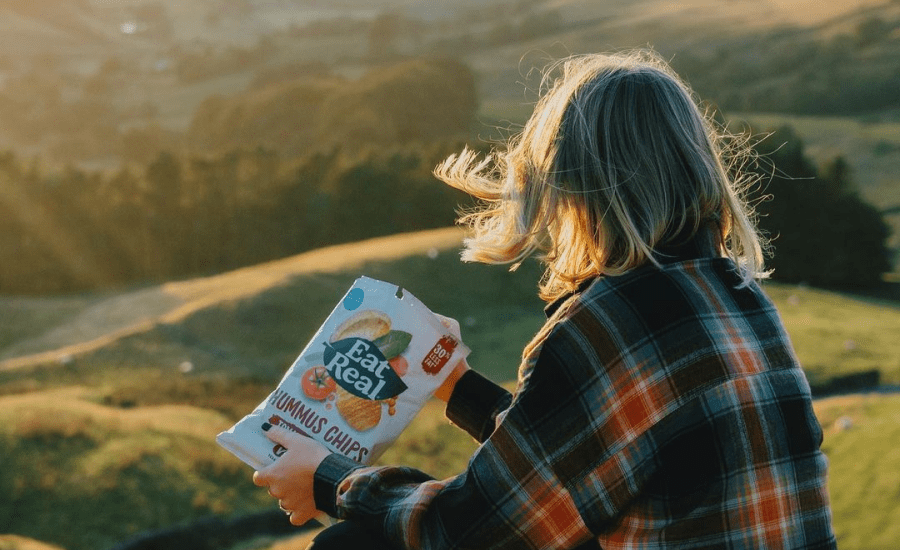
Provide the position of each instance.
(139, 477)
(122, 429)
(254, 339)
(861, 434)
(25, 318)
(14, 542)
(113, 473)
(258, 337)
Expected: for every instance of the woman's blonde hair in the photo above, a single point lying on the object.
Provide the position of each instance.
(616, 161)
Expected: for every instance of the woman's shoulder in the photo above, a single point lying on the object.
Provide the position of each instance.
(688, 305)
(687, 326)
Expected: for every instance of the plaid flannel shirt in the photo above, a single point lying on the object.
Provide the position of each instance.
(663, 408)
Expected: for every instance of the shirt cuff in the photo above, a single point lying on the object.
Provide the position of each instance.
(475, 404)
(330, 473)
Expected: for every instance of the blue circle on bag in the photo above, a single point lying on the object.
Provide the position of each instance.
(354, 299)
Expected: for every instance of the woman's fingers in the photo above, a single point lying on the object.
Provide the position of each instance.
(302, 515)
(289, 503)
(265, 476)
(282, 436)
(298, 513)
(261, 479)
(290, 478)
(451, 324)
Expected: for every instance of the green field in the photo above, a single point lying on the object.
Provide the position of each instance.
(118, 440)
(835, 335)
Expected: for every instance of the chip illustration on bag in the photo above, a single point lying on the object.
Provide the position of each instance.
(361, 379)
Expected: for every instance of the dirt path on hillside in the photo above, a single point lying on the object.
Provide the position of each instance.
(105, 320)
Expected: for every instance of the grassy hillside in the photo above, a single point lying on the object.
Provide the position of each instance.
(118, 438)
(127, 428)
(251, 323)
(860, 440)
(254, 321)
(107, 474)
(15, 542)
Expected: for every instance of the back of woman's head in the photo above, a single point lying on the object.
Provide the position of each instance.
(616, 162)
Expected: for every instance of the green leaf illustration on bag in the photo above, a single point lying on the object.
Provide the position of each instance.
(359, 366)
(393, 343)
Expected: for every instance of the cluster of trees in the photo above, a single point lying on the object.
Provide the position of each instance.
(289, 166)
(292, 109)
(823, 233)
(309, 159)
(190, 216)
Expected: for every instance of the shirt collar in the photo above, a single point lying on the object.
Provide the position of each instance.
(551, 308)
(704, 244)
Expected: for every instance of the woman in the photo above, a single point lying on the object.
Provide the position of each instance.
(661, 405)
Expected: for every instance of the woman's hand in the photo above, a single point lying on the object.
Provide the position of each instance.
(446, 389)
(290, 477)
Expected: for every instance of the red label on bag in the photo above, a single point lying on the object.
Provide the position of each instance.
(439, 355)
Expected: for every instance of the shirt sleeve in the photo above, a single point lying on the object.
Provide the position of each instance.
(517, 490)
(475, 404)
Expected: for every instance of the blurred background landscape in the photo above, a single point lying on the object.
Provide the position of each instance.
(187, 189)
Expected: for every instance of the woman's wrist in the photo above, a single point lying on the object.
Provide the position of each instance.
(328, 476)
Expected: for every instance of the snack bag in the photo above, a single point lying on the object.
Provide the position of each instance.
(360, 380)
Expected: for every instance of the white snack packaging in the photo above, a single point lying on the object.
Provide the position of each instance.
(359, 382)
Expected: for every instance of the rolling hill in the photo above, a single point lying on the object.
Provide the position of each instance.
(109, 400)
(96, 321)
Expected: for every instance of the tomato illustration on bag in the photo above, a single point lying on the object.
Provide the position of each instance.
(317, 384)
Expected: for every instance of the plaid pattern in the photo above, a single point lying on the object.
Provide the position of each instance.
(660, 409)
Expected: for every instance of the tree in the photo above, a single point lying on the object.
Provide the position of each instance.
(823, 233)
